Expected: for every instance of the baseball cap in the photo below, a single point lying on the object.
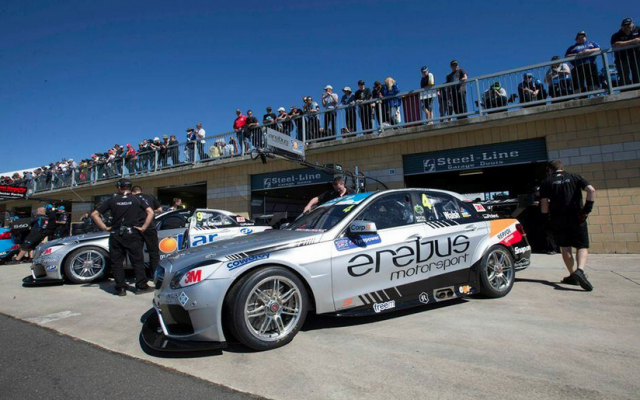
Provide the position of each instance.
(155, 139)
(528, 75)
(496, 85)
(328, 87)
(165, 137)
(581, 33)
(281, 109)
(124, 183)
(61, 208)
(346, 89)
(360, 82)
(626, 21)
(425, 69)
(454, 62)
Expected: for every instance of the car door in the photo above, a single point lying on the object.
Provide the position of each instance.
(207, 226)
(363, 266)
(171, 229)
(452, 234)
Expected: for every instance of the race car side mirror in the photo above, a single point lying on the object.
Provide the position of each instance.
(285, 225)
(362, 227)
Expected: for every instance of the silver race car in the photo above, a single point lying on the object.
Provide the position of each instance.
(85, 258)
(362, 254)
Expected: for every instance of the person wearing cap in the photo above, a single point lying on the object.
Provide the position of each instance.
(239, 123)
(558, 77)
(457, 93)
(495, 96)
(585, 70)
(173, 150)
(348, 101)
(39, 227)
(131, 158)
(251, 132)
(269, 119)
(189, 148)
(426, 83)
(163, 152)
(627, 61)
(284, 122)
(200, 142)
(531, 89)
(311, 108)
(131, 216)
(364, 110)
(61, 228)
(329, 102)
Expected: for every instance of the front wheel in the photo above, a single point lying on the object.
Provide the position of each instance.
(267, 308)
(497, 272)
(86, 265)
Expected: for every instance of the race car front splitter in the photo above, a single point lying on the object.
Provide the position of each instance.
(155, 339)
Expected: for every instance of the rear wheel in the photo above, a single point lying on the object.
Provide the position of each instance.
(267, 308)
(497, 272)
(86, 265)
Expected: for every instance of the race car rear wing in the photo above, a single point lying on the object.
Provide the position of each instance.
(507, 207)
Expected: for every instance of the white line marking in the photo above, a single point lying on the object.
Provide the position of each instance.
(52, 317)
(397, 291)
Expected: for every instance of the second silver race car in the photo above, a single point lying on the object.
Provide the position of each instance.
(362, 254)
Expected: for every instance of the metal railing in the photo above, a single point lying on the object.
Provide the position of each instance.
(598, 74)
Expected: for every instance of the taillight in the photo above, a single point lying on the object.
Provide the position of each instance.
(520, 229)
(5, 235)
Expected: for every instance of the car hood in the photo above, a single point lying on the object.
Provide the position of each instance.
(77, 238)
(243, 246)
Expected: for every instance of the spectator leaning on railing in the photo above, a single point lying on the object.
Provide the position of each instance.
(251, 132)
(585, 70)
(427, 82)
(329, 102)
(361, 95)
(348, 101)
(376, 93)
(200, 141)
(495, 96)
(457, 94)
(558, 79)
(391, 108)
(283, 121)
(531, 89)
(269, 119)
(296, 116)
(627, 61)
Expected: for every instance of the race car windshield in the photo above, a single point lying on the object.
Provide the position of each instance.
(322, 218)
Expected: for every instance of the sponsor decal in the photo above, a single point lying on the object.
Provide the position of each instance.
(168, 245)
(193, 276)
(421, 218)
(504, 233)
(521, 250)
(360, 227)
(183, 299)
(203, 239)
(244, 261)
(426, 202)
(413, 258)
(52, 268)
(490, 216)
(347, 302)
(246, 231)
(347, 209)
(360, 241)
(424, 298)
(465, 213)
(240, 219)
(465, 289)
(199, 216)
(479, 207)
(169, 298)
(418, 209)
(451, 215)
(388, 305)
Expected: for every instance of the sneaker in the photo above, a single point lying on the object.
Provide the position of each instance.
(144, 289)
(570, 280)
(121, 292)
(581, 277)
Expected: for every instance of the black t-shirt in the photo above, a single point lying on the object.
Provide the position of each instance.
(456, 76)
(622, 37)
(564, 191)
(51, 223)
(40, 224)
(251, 120)
(269, 118)
(126, 210)
(363, 94)
(151, 200)
(330, 195)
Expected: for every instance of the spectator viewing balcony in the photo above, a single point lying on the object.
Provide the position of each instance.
(599, 74)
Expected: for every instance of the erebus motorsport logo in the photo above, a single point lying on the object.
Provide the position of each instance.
(415, 258)
(388, 305)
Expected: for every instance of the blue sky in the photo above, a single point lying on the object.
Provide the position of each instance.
(78, 76)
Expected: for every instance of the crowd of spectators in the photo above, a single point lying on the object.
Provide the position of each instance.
(337, 116)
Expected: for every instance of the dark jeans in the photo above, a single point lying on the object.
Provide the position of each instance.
(350, 115)
(628, 69)
(150, 238)
(119, 248)
(585, 78)
(459, 101)
(365, 116)
(329, 123)
(201, 151)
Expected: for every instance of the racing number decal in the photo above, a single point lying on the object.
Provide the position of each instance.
(426, 202)
(199, 216)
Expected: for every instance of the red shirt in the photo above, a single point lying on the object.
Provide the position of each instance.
(239, 122)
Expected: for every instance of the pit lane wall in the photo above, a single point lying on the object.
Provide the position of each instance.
(598, 138)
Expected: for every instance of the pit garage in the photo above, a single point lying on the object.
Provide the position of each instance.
(193, 196)
(286, 192)
(503, 175)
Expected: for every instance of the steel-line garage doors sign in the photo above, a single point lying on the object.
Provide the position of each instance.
(494, 155)
(284, 179)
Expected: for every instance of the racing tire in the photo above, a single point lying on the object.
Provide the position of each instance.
(86, 265)
(497, 272)
(267, 308)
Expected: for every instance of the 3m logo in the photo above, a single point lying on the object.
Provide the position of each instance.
(193, 276)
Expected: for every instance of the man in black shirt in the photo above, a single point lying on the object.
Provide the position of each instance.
(339, 190)
(269, 119)
(50, 230)
(561, 201)
(251, 132)
(131, 218)
(39, 225)
(457, 94)
(365, 110)
(150, 236)
(627, 61)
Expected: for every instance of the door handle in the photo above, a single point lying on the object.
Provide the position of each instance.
(471, 228)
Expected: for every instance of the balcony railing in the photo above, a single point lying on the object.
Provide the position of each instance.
(599, 74)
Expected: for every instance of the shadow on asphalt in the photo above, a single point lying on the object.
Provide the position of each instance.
(547, 283)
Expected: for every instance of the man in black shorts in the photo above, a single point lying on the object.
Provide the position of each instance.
(39, 229)
(131, 218)
(561, 202)
(339, 190)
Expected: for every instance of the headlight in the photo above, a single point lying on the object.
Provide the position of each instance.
(51, 250)
(191, 276)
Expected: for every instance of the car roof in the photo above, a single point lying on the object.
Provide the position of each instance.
(364, 196)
